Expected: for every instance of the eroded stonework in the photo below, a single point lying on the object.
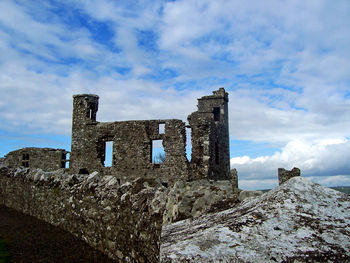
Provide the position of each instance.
(284, 175)
(44, 158)
(132, 143)
(299, 221)
(122, 221)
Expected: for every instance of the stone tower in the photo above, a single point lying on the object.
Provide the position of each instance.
(85, 107)
(133, 143)
(210, 137)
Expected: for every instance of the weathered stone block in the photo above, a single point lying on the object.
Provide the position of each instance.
(195, 198)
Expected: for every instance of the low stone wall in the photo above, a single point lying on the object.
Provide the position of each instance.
(123, 221)
(196, 198)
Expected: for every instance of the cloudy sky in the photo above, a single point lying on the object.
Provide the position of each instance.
(285, 64)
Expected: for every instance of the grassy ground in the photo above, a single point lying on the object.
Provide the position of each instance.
(344, 189)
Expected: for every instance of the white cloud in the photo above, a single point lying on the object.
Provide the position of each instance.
(320, 160)
(331, 181)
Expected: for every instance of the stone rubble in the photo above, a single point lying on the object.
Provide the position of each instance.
(193, 199)
(247, 194)
(299, 221)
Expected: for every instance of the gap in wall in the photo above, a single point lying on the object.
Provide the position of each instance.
(161, 128)
(157, 152)
(216, 111)
(188, 143)
(108, 153)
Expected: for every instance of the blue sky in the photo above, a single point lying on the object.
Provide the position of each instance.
(284, 63)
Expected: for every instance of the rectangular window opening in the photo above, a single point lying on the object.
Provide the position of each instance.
(157, 152)
(188, 143)
(67, 164)
(108, 153)
(216, 111)
(161, 128)
(89, 114)
(25, 156)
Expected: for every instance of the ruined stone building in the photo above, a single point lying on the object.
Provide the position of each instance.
(133, 142)
(44, 158)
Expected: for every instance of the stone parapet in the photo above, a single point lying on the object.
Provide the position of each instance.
(122, 221)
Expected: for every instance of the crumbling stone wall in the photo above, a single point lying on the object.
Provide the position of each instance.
(3, 162)
(132, 143)
(47, 159)
(196, 198)
(284, 175)
(210, 138)
(234, 177)
(123, 221)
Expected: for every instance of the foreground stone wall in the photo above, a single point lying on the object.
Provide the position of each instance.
(196, 198)
(299, 221)
(123, 221)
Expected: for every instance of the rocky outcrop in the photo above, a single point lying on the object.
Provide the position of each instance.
(247, 194)
(299, 221)
(123, 221)
(193, 199)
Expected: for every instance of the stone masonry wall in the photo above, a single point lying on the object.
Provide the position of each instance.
(284, 175)
(132, 149)
(123, 221)
(210, 138)
(47, 159)
(132, 143)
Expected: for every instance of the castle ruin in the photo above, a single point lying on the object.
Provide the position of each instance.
(93, 202)
(47, 159)
(133, 143)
